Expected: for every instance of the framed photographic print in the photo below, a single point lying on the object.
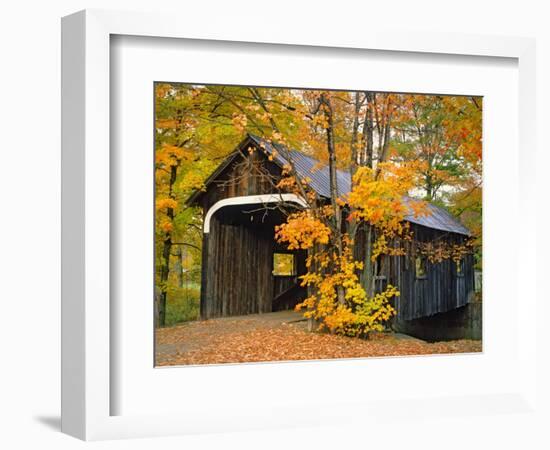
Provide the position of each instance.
(258, 229)
(260, 247)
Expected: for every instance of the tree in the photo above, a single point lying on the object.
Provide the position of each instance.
(193, 133)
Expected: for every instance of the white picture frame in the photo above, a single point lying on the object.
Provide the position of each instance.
(87, 386)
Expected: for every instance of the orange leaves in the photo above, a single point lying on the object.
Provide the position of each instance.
(164, 222)
(302, 231)
(166, 226)
(166, 123)
(170, 155)
(161, 90)
(257, 339)
(165, 203)
(464, 126)
(419, 208)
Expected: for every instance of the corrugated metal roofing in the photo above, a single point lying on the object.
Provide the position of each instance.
(308, 167)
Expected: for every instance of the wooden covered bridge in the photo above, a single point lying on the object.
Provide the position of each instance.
(245, 271)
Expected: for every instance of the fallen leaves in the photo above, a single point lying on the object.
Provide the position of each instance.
(239, 341)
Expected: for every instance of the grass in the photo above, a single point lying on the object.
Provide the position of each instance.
(182, 304)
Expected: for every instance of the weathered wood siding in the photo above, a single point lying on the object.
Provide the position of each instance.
(237, 276)
(440, 291)
(237, 263)
(238, 179)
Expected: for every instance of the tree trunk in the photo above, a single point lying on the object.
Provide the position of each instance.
(383, 151)
(164, 272)
(337, 211)
(383, 127)
(368, 130)
(429, 187)
(367, 276)
(178, 266)
(355, 136)
(355, 158)
(166, 249)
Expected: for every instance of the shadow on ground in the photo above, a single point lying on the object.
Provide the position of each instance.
(51, 422)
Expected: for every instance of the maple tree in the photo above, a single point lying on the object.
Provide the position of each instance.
(342, 288)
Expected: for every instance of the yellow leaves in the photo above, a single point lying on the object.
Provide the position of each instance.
(287, 184)
(340, 319)
(274, 153)
(310, 278)
(252, 107)
(357, 315)
(331, 272)
(438, 251)
(264, 116)
(378, 197)
(239, 121)
(278, 137)
(320, 121)
(302, 231)
(165, 203)
(192, 181)
(327, 211)
(287, 168)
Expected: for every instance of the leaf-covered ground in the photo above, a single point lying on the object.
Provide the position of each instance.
(280, 337)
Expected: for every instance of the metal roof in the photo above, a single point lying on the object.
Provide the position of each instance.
(318, 174)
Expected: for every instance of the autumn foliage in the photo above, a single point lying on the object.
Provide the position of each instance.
(401, 150)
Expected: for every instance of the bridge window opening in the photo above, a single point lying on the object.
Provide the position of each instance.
(420, 267)
(459, 267)
(284, 265)
(379, 268)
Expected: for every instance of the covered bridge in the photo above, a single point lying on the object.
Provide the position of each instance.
(245, 271)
